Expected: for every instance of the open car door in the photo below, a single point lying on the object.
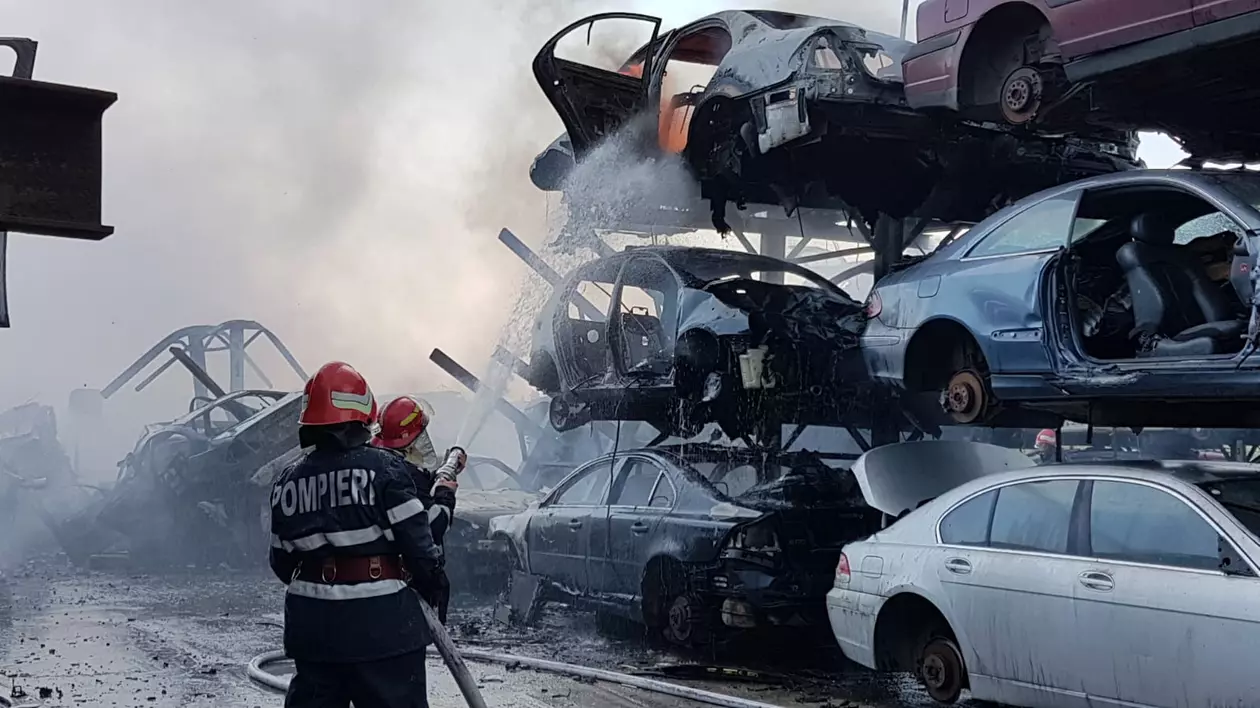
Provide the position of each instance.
(595, 102)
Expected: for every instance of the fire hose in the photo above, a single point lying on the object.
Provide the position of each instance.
(464, 678)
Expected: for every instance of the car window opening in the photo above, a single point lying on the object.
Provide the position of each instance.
(1240, 497)
(1178, 253)
(606, 44)
(647, 317)
(744, 475)
(689, 68)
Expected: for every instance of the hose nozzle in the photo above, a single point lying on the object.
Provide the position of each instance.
(456, 460)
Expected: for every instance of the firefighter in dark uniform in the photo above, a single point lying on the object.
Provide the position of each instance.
(351, 539)
(404, 430)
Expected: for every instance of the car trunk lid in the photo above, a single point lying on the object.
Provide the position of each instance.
(903, 476)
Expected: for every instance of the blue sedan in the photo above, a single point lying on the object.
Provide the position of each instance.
(1125, 299)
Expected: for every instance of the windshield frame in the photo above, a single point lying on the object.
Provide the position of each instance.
(1242, 185)
(708, 266)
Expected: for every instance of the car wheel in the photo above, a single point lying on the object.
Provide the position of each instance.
(1021, 96)
(686, 620)
(966, 397)
(941, 670)
(543, 374)
(566, 412)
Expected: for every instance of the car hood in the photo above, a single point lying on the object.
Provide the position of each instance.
(808, 487)
(485, 504)
(901, 477)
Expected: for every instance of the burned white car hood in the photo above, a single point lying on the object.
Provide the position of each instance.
(900, 477)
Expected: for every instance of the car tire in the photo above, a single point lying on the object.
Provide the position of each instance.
(939, 666)
(566, 412)
(543, 374)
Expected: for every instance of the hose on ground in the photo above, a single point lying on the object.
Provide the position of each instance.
(441, 641)
(450, 655)
(280, 683)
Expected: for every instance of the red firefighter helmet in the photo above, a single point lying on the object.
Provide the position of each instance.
(1046, 438)
(402, 421)
(337, 394)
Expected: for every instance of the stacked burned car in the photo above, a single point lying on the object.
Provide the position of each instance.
(778, 108)
(681, 337)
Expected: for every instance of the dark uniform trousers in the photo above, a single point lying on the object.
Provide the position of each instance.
(398, 682)
(357, 636)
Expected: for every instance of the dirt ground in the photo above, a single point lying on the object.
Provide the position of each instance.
(76, 638)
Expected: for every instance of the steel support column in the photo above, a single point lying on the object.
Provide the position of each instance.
(236, 358)
(775, 246)
(196, 349)
(888, 239)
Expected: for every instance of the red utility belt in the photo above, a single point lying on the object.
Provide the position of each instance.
(353, 569)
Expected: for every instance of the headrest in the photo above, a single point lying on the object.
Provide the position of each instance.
(1152, 228)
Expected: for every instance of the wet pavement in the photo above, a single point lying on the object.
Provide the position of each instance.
(77, 638)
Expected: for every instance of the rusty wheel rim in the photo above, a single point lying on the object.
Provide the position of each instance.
(680, 618)
(964, 398)
(1021, 95)
(933, 671)
(941, 671)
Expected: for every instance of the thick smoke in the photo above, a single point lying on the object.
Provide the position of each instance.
(336, 171)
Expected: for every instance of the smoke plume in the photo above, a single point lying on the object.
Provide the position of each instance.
(337, 171)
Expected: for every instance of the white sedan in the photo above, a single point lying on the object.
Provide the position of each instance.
(1119, 584)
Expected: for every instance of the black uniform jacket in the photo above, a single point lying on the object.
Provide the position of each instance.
(346, 499)
(441, 504)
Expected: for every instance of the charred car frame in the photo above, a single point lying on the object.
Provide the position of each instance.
(187, 482)
(802, 111)
(682, 337)
(684, 538)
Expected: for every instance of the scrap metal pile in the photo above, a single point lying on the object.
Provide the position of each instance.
(185, 494)
(1088, 286)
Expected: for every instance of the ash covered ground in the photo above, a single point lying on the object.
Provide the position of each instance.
(77, 638)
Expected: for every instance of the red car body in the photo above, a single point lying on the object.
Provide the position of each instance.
(967, 49)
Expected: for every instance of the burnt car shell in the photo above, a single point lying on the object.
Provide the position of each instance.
(813, 509)
(792, 100)
(770, 549)
(187, 479)
(713, 313)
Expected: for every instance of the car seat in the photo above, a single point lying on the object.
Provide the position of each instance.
(642, 339)
(1177, 310)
